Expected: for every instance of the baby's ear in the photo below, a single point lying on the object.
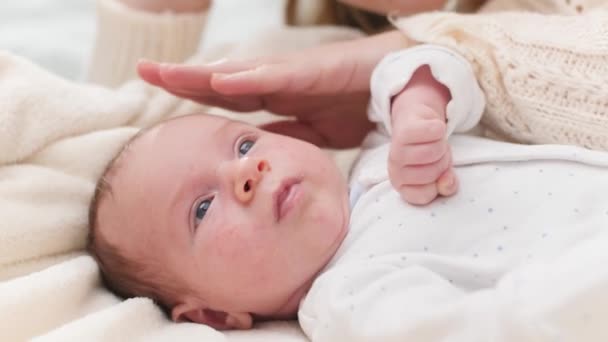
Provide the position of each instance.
(219, 320)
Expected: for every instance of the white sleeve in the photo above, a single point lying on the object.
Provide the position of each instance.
(393, 73)
(564, 299)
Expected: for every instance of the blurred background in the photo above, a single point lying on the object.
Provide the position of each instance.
(55, 34)
(59, 34)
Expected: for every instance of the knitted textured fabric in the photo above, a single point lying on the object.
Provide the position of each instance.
(125, 35)
(544, 76)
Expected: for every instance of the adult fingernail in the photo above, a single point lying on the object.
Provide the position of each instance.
(143, 61)
(217, 62)
(231, 77)
(220, 76)
(165, 67)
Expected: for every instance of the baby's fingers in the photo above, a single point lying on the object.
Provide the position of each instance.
(420, 174)
(418, 154)
(447, 184)
(418, 194)
(416, 131)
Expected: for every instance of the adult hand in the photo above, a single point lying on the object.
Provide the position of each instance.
(325, 88)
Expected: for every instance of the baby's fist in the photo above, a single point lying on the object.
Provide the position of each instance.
(420, 160)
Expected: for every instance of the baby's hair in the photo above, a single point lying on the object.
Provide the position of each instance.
(120, 272)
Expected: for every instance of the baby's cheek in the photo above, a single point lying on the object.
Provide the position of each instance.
(240, 245)
(329, 216)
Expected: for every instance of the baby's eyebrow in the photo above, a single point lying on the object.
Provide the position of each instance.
(185, 192)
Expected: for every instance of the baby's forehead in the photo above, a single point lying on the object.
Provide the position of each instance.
(161, 155)
(178, 134)
(198, 124)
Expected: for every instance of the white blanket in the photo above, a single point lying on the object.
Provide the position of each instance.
(55, 138)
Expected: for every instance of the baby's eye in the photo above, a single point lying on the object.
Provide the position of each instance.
(201, 210)
(245, 146)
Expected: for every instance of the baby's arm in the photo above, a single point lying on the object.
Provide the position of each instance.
(420, 96)
(420, 162)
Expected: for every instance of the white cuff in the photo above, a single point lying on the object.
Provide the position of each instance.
(395, 70)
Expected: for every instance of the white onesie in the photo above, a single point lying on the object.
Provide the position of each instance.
(519, 254)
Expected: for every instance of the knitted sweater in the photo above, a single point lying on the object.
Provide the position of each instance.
(125, 35)
(542, 85)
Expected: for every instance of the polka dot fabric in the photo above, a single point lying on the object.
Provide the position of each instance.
(519, 208)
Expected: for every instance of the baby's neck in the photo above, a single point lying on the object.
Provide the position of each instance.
(290, 309)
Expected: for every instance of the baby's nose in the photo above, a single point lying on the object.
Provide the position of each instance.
(250, 173)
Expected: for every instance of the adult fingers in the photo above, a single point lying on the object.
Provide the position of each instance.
(198, 77)
(264, 79)
(241, 104)
(302, 77)
(150, 72)
(192, 77)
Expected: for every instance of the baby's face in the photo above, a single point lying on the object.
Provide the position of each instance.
(241, 217)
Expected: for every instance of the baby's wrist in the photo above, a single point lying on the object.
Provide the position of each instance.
(421, 91)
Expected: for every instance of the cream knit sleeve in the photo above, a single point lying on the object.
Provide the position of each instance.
(544, 77)
(125, 35)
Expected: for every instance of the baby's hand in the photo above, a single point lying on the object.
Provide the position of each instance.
(420, 160)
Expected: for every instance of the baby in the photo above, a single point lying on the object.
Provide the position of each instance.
(219, 221)
(223, 224)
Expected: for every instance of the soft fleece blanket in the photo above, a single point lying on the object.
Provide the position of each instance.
(55, 138)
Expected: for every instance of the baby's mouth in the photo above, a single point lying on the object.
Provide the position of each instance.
(286, 197)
